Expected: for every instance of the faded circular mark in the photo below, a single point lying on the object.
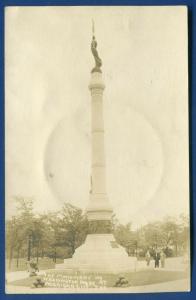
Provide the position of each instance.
(134, 160)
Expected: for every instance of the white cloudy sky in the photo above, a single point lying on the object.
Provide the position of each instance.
(48, 64)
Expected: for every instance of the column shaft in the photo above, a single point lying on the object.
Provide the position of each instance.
(99, 207)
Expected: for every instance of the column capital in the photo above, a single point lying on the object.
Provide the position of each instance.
(96, 82)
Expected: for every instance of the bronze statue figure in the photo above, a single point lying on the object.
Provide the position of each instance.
(98, 62)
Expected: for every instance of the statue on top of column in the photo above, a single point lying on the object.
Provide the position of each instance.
(98, 62)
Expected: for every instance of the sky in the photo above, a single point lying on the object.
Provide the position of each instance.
(48, 107)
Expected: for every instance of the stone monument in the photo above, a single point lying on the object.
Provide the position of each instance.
(100, 252)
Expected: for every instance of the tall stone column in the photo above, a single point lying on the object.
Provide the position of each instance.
(99, 210)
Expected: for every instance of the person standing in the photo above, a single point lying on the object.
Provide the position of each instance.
(156, 259)
(162, 258)
(148, 258)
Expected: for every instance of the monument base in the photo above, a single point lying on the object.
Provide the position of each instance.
(99, 254)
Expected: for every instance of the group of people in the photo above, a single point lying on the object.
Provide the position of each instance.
(158, 256)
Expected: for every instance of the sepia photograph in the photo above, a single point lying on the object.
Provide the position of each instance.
(96, 149)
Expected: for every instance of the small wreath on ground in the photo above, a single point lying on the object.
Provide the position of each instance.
(38, 283)
(121, 282)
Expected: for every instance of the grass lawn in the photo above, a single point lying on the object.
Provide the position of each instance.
(134, 278)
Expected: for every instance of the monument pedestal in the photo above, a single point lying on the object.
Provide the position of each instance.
(99, 254)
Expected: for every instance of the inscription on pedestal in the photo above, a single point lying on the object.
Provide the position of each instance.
(100, 226)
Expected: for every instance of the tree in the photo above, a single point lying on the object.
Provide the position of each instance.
(53, 239)
(183, 233)
(17, 227)
(25, 217)
(12, 231)
(125, 237)
(152, 234)
(74, 227)
(25, 231)
(169, 233)
(40, 235)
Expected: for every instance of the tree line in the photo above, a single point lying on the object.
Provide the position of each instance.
(58, 234)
